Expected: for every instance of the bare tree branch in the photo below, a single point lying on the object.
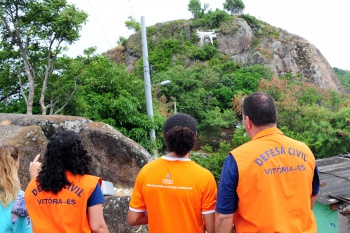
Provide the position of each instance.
(70, 96)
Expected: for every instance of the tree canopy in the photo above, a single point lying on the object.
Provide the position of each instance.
(195, 7)
(234, 6)
(132, 24)
(33, 34)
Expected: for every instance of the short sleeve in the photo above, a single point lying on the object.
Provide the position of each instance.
(96, 196)
(316, 182)
(227, 199)
(137, 202)
(19, 206)
(209, 196)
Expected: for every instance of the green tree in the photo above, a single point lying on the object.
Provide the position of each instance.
(234, 6)
(215, 161)
(240, 136)
(344, 77)
(132, 24)
(210, 20)
(247, 79)
(194, 6)
(108, 93)
(33, 35)
(317, 116)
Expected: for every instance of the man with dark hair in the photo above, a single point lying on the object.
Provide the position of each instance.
(269, 184)
(173, 193)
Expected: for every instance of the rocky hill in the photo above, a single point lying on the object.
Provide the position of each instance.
(246, 40)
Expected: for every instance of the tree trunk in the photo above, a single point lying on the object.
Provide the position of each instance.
(30, 75)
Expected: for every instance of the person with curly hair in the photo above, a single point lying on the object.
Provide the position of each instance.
(173, 193)
(12, 204)
(64, 197)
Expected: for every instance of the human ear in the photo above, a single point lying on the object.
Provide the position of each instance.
(247, 122)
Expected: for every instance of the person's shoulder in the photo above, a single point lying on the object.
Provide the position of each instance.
(151, 164)
(20, 195)
(86, 178)
(302, 146)
(298, 143)
(90, 177)
(244, 147)
(198, 169)
(32, 183)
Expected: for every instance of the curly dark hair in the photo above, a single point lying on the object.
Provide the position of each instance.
(64, 152)
(180, 133)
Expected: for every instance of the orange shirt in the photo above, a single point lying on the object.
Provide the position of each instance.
(275, 184)
(65, 211)
(175, 192)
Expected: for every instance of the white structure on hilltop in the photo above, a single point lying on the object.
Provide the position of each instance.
(203, 35)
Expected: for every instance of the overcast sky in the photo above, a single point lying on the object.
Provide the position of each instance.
(324, 23)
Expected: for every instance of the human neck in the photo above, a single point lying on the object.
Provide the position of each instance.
(258, 129)
(174, 155)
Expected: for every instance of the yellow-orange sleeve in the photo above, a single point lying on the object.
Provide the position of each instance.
(209, 196)
(137, 202)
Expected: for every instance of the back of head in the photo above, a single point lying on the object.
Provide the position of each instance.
(180, 133)
(260, 108)
(9, 181)
(64, 152)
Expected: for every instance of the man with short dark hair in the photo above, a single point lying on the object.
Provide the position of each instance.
(269, 184)
(173, 193)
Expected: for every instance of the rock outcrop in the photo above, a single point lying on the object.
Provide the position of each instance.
(115, 212)
(283, 54)
(248, 42)
(29, 139)
(116, 158)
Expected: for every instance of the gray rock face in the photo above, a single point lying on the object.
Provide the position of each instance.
(48, 123)
(115, 212)
(292, 54)
(283, 52)
(116, 158)
(237, 43)
(30, 141)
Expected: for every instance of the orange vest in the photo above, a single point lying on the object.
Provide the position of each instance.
(65, 211)
(176, 193)
(275, 185)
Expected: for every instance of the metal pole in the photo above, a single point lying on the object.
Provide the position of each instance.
(147, 80)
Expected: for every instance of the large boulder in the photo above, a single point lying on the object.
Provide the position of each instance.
(30, 141)
(237, 41)
(117, 158)
(115, 212)
(48, 123)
